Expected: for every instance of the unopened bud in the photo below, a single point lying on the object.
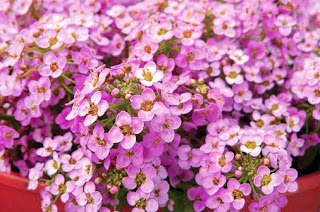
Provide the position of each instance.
(266, 161)
(237, 157)
(115, 92)
(97, 181)
(240, 168)
(114, 189)
(127, 96)
(193, 81)
(238, 174)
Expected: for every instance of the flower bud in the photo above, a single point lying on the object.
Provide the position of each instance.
(114, 189)
(238, 173)
(115, 92)
(237, 157)
(240, 168)
(266, 161)
(97, 181)
(127, 96)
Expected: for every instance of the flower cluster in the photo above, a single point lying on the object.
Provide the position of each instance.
(156, 103)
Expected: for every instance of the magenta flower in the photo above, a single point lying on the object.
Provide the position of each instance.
(149, 74)
(32, 104)
(166, 125)
(99, 142)
(266, 180)
(41, 89)
(251, 144)
(213, 182)
(53, 65)
(49, 39)
(215, 202)
(160, 192)
(49, 146)
(241, 92)
(285, 23)
(142, 201)
(145, 49)
(187, 33)
(141, 178)
(69, 162)
(117, 45)
(233, 75)
(34, 174)
(146, 105)
(265, 202)
(126, 130)
(14, 51)
(89, 197)
(71, 35)
(7, 136)
(235, 193)
(224, 27)
(61, 187)
(161, 31)
(166, 65)
(221, 162)
(191, 56)
(52, 165)
(93, 108)
(198, 196)
(295, 144)
(130, 156)
(85, 60)
(289, 183)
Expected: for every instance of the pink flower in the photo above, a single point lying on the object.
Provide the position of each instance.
(161, 31)
(145, 49)
(126, 130)
(233, 75)
(149, 74)
(235, 193)
(221, 162)
(266, 180)
(141, 201)
(141, 178)
(187, 33)
(166, 125)
(52, 65)
(14, 52)
(49, 146)
(93, 108)
(89, 197)
(224, 27)
(251, 144)
(146, 105)
(285, 23)
(49, 39)
(99, 142)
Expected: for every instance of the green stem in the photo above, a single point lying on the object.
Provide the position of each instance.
(68, 78)
(33, 50)
(30, 71)
(71, 62)
(254, 190)
(4, 116)
(30, 58)
(188, 89)
(66, 88)
(115, 202)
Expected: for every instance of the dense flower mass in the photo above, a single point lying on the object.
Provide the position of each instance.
(159, 102)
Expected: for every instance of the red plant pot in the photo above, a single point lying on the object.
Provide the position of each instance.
(15, 197)
(307, 198)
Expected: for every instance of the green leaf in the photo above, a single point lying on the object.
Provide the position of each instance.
(308, 157)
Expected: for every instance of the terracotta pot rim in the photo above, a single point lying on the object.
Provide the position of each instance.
(17, 181)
